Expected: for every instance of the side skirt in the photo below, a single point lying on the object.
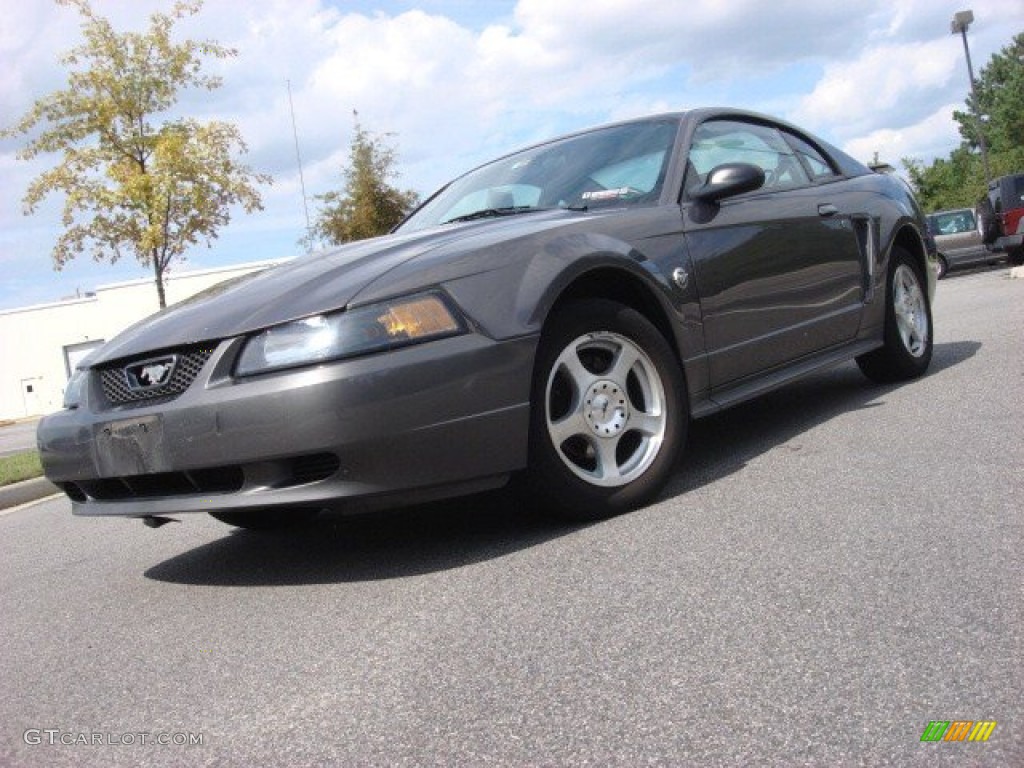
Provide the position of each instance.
(750, 388)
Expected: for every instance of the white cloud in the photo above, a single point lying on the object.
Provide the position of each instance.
(923, 140)
(458, 83)
(882, 83)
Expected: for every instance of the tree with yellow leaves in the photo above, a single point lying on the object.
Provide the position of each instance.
(136, 178)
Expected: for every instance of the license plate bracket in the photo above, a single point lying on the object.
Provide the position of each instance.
(130, 446)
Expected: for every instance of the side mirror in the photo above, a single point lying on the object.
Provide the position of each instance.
(729, 179)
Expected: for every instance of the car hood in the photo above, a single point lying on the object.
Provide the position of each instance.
(306, 286)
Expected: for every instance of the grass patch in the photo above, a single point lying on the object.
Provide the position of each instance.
(20, 466)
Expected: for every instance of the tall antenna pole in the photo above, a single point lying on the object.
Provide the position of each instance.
(302, 180)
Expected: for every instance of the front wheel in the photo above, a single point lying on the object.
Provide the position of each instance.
(608, 412)
(907, 350)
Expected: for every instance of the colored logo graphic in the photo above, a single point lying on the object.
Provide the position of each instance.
(958, 730)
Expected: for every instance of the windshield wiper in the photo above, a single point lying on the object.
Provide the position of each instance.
(488, 213)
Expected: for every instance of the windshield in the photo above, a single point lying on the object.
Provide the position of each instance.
(620, 165)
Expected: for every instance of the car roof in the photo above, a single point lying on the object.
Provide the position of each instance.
(847, 164)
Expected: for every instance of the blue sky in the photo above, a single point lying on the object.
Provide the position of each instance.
(459, 81)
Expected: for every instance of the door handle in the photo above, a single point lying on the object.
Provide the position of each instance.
(827, 209)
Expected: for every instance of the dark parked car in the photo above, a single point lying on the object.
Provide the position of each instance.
(1002, 216)
(958, 240)
(557, 316)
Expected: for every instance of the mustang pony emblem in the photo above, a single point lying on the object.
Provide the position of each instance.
(150, 373)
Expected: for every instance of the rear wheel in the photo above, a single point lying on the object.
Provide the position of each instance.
(941, 267)
(908, 325)
(267, 519)
(608, 415)
(1015, 257)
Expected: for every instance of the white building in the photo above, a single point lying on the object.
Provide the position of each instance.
(40, 345)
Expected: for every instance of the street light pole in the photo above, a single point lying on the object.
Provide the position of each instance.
(961, 21)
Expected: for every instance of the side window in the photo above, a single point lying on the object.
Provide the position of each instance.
(1014, 191)
(731, 141)
(813, 160)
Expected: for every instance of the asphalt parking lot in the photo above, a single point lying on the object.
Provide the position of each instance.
(17, 436)
(832, 567)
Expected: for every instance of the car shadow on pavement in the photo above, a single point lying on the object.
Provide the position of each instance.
(393, 544)
(451, 534)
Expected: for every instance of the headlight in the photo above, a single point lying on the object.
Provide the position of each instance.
(361, 331)
(73, 390)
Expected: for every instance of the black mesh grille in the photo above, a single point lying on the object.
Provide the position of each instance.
(118, 392)
(310, 469)
(162, 485)
(298, 470)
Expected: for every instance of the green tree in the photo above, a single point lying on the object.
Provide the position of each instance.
(959, 180)
(368, 205)
(956, 182)
(999, 102)
(131, 184)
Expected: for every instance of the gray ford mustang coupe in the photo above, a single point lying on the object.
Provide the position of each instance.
(557, 316)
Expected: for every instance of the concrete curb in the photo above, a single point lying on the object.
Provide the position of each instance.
(28, 490)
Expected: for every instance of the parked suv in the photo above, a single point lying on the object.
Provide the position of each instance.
(1002, 216)
(958, 240)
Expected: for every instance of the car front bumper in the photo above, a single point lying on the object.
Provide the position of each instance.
(419, 422)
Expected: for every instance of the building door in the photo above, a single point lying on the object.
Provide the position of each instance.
(31, 395)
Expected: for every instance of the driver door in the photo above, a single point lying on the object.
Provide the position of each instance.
(778, 270)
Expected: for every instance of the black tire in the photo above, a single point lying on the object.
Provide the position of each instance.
(604, 438)
(267, 519)
(1015, 257)
(908, 324)
(988, 224)
(941, 267)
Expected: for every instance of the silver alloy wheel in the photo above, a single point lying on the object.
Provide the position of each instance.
(604, 404)
(910, 310)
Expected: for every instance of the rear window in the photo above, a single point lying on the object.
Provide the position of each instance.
(1013, 191)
